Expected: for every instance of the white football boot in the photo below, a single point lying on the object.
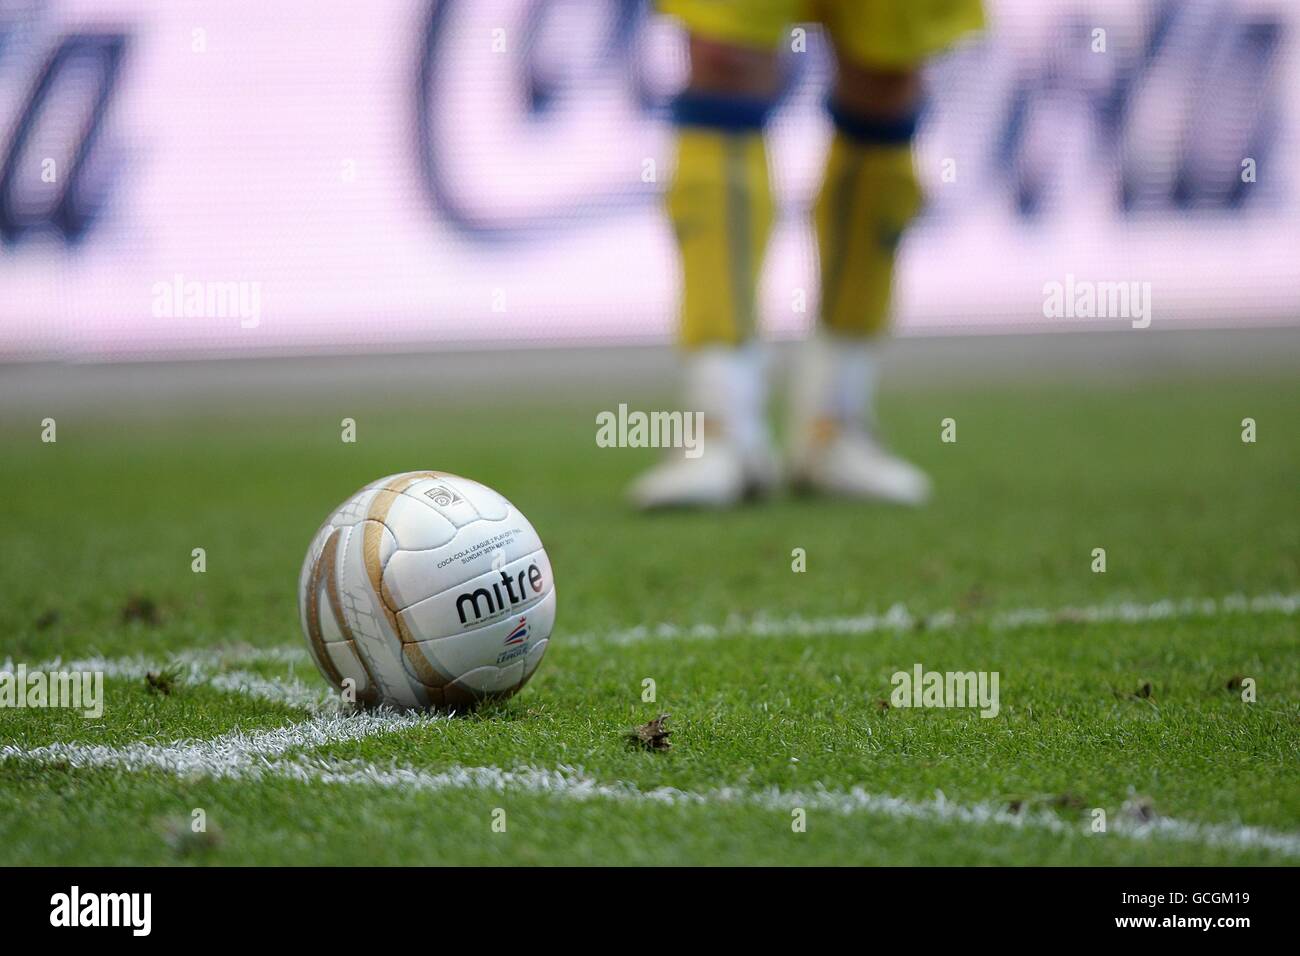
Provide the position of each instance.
(834, 451)
(735, 460)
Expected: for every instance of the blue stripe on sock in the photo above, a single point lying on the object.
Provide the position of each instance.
(729, 113)
(865, 130)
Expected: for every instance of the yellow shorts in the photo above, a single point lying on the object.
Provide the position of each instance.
(888, 34)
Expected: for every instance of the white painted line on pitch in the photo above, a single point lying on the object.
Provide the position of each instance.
(898, 619)
(229, 755)
(204, 668)
(198, 664)
(257, 756)
(293, 693)
(192, 662)
(569, 783)
(239, 755)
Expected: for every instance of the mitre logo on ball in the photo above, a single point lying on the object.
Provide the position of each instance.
(412, 587)
(496, 601)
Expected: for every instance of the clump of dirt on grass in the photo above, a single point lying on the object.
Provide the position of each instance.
(141, 607)
(1142, 693)
(652, 735)
(1141, 809)
(1068, 801)
(163, 682)
(1060, 801)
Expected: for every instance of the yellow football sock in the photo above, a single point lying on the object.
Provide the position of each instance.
(720, 203)
(869, 195)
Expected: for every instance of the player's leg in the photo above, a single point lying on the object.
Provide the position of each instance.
(869, 195)
(720, 206)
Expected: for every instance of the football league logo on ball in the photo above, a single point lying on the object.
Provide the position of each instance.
(520, 634)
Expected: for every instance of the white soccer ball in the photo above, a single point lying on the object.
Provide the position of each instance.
(427, 590)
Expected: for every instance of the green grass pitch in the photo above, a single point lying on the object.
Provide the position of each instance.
(773, 679)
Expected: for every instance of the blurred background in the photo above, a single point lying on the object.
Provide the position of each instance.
(198, 179)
